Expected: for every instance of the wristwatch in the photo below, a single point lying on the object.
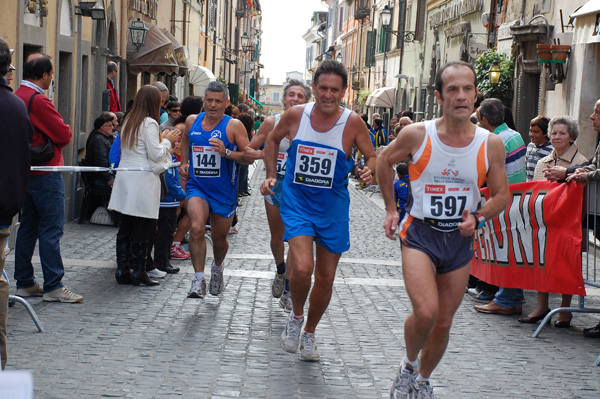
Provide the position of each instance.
(227, 153)
(479, 220)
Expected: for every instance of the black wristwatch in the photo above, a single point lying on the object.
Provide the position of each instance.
(479, 220)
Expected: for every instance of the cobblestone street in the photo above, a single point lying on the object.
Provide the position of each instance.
(153, 342)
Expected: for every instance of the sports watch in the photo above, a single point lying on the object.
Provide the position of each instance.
(227, 153)
(479, 220)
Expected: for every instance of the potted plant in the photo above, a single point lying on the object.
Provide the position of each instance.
(543, 51)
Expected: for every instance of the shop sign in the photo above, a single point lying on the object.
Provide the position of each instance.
(145, 7)
(476, 49)
(454, 11)
(457, 29)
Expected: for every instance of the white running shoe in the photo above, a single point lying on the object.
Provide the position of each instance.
(155, 273)
(198, 289)
(290, 337)
(285, 302)
(278, 285)
(405, 384)
(215, 287)
(308, 349)
(424, 390)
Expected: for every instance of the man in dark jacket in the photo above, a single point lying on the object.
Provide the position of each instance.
(98, 147)
(44, 209)
(15, 141)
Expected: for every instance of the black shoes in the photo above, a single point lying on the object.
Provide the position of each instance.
(534, 319)
(592, 332)
(169, 269)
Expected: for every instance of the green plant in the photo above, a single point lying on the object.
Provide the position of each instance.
(504, 89)
(362, 96)
(220, 79)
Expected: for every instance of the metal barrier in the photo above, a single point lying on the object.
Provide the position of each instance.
(590, 252)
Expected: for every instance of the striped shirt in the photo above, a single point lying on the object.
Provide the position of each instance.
(515, 153)
(534, 154)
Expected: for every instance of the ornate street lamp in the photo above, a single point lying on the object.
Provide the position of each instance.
(138, 31)
(247, 47)
(495, 73)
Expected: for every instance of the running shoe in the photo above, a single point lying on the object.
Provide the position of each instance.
(215, 286)
(424, 390)
(179, 253)
(308, 349)
(405, 383)
(278, 285)
(198, 289)
(155, 273)
(290, 337)
(286, 302)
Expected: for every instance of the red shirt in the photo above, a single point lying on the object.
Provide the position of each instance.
(46, 119)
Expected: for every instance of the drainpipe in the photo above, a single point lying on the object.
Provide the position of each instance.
(542, 94)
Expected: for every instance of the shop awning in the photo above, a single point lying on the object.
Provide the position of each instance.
(200, 77)
(256, 101)
(384, 97)
(179, 53)
(587, 26)
(156, 56)
(592, 6)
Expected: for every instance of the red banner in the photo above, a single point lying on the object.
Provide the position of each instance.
(536, 242)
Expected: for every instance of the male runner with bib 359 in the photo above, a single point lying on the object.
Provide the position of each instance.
(315, 202)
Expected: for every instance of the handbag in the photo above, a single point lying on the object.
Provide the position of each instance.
(102, 216)
(41, 153)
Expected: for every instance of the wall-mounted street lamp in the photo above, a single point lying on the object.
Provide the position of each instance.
(138, 31)
(247, 47)
(386, 19)
(494, 73)
(89, 9)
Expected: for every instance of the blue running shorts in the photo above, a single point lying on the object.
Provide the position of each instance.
(221, 208)
(275, 198)
(334, 237)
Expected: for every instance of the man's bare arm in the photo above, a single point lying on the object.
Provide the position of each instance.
(408, 141)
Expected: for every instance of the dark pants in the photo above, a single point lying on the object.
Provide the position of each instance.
(242, 178)
(167, 224)
(136, 227)
(43, 219)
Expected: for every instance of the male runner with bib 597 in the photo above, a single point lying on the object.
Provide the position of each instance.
(316, 203)
(451, 158)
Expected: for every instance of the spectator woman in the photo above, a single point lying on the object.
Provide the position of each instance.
(563, 132)
(136, 195)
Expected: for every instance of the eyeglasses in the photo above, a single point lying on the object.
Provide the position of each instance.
(175, 110)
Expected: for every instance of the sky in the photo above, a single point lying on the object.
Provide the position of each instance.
(283, 23)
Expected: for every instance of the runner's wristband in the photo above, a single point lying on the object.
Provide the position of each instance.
(479, 220)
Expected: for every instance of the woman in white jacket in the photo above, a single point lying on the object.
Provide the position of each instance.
(136, 195)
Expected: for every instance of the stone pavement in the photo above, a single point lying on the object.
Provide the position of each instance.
(153, 342)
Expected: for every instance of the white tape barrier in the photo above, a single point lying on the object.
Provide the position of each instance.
(92, 168)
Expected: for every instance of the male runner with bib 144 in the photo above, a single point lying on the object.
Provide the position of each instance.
(294, 93)
(211, 143)
(451, 159)
(315, 202)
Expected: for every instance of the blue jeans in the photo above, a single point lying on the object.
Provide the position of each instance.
(43, 218)
(509, 297)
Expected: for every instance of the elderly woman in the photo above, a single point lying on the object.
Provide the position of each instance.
(563, 132)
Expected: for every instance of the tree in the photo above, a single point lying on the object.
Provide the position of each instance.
(504, 89)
